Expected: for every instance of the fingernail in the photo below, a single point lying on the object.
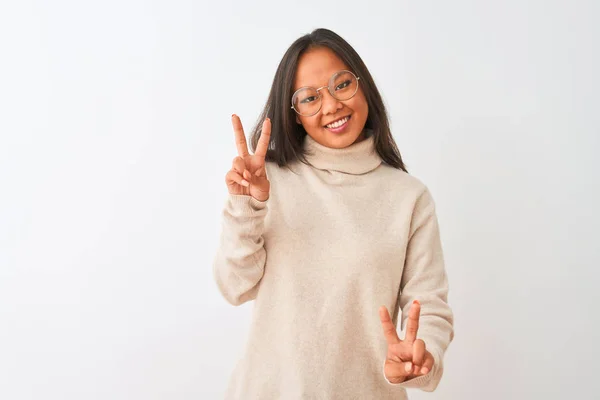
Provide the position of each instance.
(232, 115)
(245, 183)
(416, 302)
(268, 119)
(424, 370)
(408, 367)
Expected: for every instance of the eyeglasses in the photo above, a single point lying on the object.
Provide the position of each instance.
(307, 101)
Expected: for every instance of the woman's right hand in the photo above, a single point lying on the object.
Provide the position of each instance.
(248, 174)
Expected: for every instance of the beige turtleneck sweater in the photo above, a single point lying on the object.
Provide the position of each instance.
(334, 242)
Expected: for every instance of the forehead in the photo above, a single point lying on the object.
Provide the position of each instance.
(316, 66)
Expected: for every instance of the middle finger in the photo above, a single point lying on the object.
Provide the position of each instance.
(418, 355)
(412, 326)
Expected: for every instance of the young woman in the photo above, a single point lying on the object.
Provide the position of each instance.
(326, 231)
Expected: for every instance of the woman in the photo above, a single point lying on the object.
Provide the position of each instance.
(326, 231)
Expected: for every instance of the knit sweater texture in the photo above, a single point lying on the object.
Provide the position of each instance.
(336, 240)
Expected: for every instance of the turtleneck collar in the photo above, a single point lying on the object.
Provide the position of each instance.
(356, 159)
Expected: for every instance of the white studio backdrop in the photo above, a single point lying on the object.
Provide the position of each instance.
(115, 138)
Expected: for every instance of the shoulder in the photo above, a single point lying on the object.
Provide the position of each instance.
(277, 172)
(406, 186)
(273, 169)
(402, 180)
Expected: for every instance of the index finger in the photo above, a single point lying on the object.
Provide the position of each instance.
(412, 326)
(389, 330)
(265, 136)
(240, 137)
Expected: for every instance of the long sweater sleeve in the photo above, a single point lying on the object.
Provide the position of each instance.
(240, 259)
(424, 278)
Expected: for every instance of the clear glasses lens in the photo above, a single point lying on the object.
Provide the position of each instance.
(306, 101)
(342, 85)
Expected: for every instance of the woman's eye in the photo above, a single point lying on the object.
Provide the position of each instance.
(308, 100)
(343, 85)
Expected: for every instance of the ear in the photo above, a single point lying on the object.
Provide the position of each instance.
(298, 120)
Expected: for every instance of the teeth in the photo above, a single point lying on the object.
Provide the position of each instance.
(339, 123)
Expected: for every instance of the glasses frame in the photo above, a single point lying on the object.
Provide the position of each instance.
(328, 86)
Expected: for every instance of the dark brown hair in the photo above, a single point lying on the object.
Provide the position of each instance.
(287, 136)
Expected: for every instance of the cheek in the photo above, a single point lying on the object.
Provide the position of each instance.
(360, 106)
(310, 122)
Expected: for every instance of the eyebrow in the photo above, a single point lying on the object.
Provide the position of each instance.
(315, 87)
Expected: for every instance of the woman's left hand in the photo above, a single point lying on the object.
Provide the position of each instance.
(406, 359)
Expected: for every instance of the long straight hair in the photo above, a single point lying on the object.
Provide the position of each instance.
(287, 136)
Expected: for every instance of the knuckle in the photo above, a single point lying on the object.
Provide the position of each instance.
(237, 163)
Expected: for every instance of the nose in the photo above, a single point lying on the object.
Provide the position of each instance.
(330, 104)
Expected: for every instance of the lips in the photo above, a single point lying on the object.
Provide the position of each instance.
(338, 122)
(339, 126)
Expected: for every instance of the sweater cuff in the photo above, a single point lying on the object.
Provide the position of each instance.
(245, 206)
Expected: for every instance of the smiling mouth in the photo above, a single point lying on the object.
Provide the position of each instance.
(338, 123)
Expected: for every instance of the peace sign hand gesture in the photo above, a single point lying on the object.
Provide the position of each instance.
(406, 359)
(248, 174)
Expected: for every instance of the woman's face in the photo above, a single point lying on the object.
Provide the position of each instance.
(315, 68)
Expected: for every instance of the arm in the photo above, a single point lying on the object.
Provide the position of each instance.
(239, 263)
(424, 278)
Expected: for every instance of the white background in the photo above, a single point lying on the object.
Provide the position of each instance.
(115, 138)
